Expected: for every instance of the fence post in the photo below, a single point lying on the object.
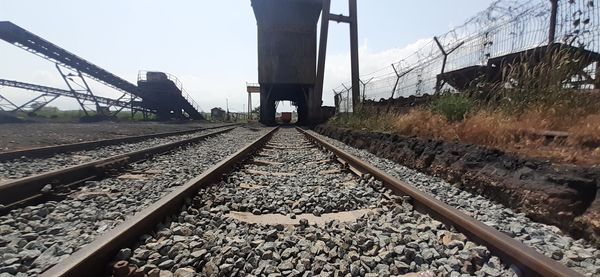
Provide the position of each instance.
(336, 101)
(438, 81)
(552, 27)
(396, 83)
(348, 100)
(364, 87)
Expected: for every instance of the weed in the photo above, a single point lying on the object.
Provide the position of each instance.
(453, 106)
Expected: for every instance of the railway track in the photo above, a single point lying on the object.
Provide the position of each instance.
(29, 180)
(40, 152)
(293, 204)
(35, 237)
(577, 254)
(24, 163)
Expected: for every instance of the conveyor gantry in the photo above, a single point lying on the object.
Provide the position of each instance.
(32, 43)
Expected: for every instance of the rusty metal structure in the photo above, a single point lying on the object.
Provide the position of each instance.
(165, 98)
(287, 54)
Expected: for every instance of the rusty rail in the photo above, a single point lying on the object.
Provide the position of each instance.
(25, 190)
(46, 151)
(92, 259)
(526, 259)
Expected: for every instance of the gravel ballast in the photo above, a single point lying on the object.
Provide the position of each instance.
(213, 237)
(36, 237)
(577, 254)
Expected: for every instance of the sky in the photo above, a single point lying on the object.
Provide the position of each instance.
(209, 45)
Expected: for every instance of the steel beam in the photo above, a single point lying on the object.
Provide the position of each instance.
(318, 93)
(354, 54)
(339, 18)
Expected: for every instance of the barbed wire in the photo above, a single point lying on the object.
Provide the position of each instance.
(506, 26)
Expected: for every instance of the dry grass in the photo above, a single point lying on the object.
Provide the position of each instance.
(586, 132)
(533, 96)
(511, 133)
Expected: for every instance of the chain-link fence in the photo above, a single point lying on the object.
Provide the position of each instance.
(505, 27)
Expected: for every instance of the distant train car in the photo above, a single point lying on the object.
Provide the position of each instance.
(286, 117)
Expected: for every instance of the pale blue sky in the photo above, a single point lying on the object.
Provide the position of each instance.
(209, 45)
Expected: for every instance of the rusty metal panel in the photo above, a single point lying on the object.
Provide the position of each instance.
(287, 40)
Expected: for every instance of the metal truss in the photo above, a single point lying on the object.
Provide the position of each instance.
(49, 94)
(6, 105)
(79, 86)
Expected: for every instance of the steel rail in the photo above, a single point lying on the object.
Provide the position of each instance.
(526, 259)
(22, 191)
(46, 151)
(92, 259)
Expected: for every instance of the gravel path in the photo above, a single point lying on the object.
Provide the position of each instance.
(214, 234)
(579, 254)
(36, 237)
(24, 167)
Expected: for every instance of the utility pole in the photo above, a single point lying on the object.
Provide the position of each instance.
(227, 107)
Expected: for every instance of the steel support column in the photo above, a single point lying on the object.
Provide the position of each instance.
(354, 53)
(77, 88)
(318, 93)
(352, 20)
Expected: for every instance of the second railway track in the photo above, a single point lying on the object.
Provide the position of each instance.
(35, 237)
(23, 163)
(294, 210)
(29, 179)
(45, 151)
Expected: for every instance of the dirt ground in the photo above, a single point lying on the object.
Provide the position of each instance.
(16, 136)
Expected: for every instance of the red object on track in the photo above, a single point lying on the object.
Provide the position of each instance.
(286, 117)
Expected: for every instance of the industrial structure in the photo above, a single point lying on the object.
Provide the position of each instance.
(287, 54)
(156, 93)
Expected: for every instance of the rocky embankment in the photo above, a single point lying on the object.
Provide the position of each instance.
(563, 195)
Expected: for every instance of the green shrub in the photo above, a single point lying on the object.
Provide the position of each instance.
(453, 106)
